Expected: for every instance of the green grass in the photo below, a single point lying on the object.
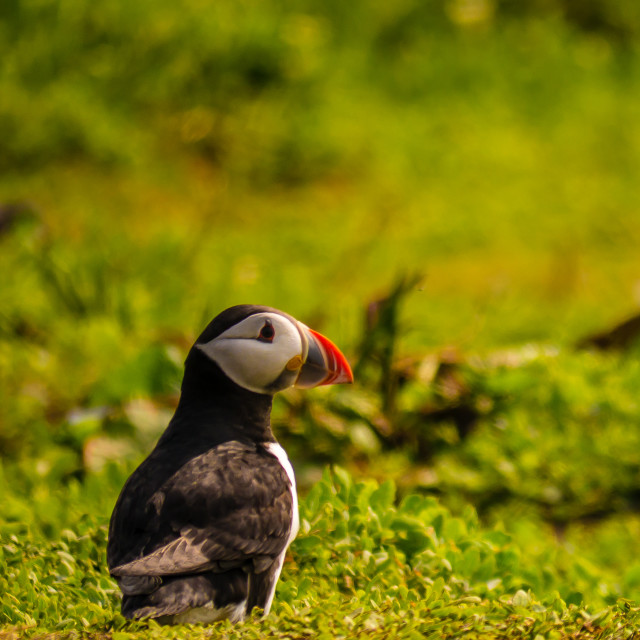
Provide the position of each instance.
(547, 548)
(175, 159)
(361, 567)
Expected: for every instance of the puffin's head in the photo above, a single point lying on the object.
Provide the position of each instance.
(265, 350)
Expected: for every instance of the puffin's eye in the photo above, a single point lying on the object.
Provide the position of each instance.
(267, 332)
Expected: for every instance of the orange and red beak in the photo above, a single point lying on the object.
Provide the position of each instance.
(324, 364)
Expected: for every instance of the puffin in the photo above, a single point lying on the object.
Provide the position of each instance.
(200, 529)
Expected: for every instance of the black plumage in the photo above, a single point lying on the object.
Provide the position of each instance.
(210, 506)
(200, 528)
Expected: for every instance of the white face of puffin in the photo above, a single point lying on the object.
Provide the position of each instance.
(262, 353)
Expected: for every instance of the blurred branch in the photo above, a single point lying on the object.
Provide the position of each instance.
(620, 337)
(380, 337)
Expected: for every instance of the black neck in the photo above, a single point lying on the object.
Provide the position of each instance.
(214, 408)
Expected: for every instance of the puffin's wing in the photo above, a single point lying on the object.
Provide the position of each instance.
(185, 554)
(223, 508)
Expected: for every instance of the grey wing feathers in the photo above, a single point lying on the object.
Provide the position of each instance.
(180, 556)
(187, 555)
(138, 585)
(219, 510)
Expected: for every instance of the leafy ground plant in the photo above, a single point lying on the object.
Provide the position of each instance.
(363, 566)
(161, 162)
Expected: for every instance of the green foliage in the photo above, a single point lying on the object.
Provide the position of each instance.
(563, 434)
(363, 566)
(169, 159)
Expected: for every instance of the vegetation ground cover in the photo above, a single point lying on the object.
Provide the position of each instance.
(451, 195)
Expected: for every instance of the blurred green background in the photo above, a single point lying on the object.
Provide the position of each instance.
(449, 190)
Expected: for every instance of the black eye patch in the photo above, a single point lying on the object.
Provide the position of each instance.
(267, 333)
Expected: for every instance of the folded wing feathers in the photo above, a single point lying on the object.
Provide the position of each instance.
(138, 585)
(244, 524)
(198, 550)
(179, 556)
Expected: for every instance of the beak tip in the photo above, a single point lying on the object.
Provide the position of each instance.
(331, 364)
(341, 372)
(345, 376)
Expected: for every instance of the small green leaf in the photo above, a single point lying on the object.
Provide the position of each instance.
(521, 599)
